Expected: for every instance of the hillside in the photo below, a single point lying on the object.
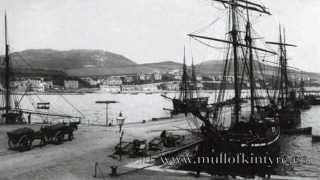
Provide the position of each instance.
(84, 62)
(163, 66)
(105, 71)
(63, 60)
(215, 67)
(125, 69)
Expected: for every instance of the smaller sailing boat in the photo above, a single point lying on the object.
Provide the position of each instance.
(188, 92)
(289, 112)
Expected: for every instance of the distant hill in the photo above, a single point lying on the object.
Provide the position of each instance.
(70, 59)
(105, 71)
(214, 67)
(163, 66)
(125, 69)
(217, 66)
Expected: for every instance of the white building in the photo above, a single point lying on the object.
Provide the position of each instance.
(149, 87)
(142, 77)
(199, 78)
(110, 89)
(48, 84)
(71, 84)
(113, 81)
(157, 76)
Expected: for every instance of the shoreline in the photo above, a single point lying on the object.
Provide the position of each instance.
(98, 90)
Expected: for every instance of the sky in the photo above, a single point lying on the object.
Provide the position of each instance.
(152, 30)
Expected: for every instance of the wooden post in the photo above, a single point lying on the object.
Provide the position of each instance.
(120, 147)
(95, 169)
(106, 102)
(106, 114)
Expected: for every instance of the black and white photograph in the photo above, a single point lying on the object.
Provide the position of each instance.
(159, 89)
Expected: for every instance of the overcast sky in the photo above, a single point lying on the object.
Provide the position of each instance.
(150, 30)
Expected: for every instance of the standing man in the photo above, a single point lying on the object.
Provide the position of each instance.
(29, 118)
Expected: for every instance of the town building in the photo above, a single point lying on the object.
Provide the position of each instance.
(157, 76)
(110, 89)
(71, 84)
(129, 79)
(113, 81)
(91, 81)
(141, 77)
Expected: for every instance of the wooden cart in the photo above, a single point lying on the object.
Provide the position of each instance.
(22, 139)
(56, 133)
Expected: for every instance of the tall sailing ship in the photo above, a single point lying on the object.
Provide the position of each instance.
(239, 129)
(189, 95)
(288, 104)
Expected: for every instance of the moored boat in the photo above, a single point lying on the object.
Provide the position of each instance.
(188, 93)
(249, 134)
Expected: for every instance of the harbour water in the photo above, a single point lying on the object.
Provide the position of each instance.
(143, 106)
(302, 148)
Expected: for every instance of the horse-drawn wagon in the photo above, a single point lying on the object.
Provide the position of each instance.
(22, 139)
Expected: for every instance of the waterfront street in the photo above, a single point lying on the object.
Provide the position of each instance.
(75, 159)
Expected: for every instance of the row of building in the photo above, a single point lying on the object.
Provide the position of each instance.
(41, 85)
(152, 81)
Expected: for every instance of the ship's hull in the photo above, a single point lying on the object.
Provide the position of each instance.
(289, 118)
(303, 104)
(313, 100)
(254, 150)
(244, 161)
(180, 106)
(238, 159)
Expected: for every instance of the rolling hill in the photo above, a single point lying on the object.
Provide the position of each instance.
(84, 62)
(63, 60)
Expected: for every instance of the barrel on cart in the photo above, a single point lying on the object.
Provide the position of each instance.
(22, 139)
(56, 133)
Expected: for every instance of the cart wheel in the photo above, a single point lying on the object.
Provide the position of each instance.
(25, 143)
(58, 137)
(11, 144)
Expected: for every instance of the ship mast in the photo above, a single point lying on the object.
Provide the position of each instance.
(282, 71)
(234, 5)
(193, 78)
(285, 67)
(248, 39)
(184, 85)
(283, 91)
(7, 69)
(234, 34)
